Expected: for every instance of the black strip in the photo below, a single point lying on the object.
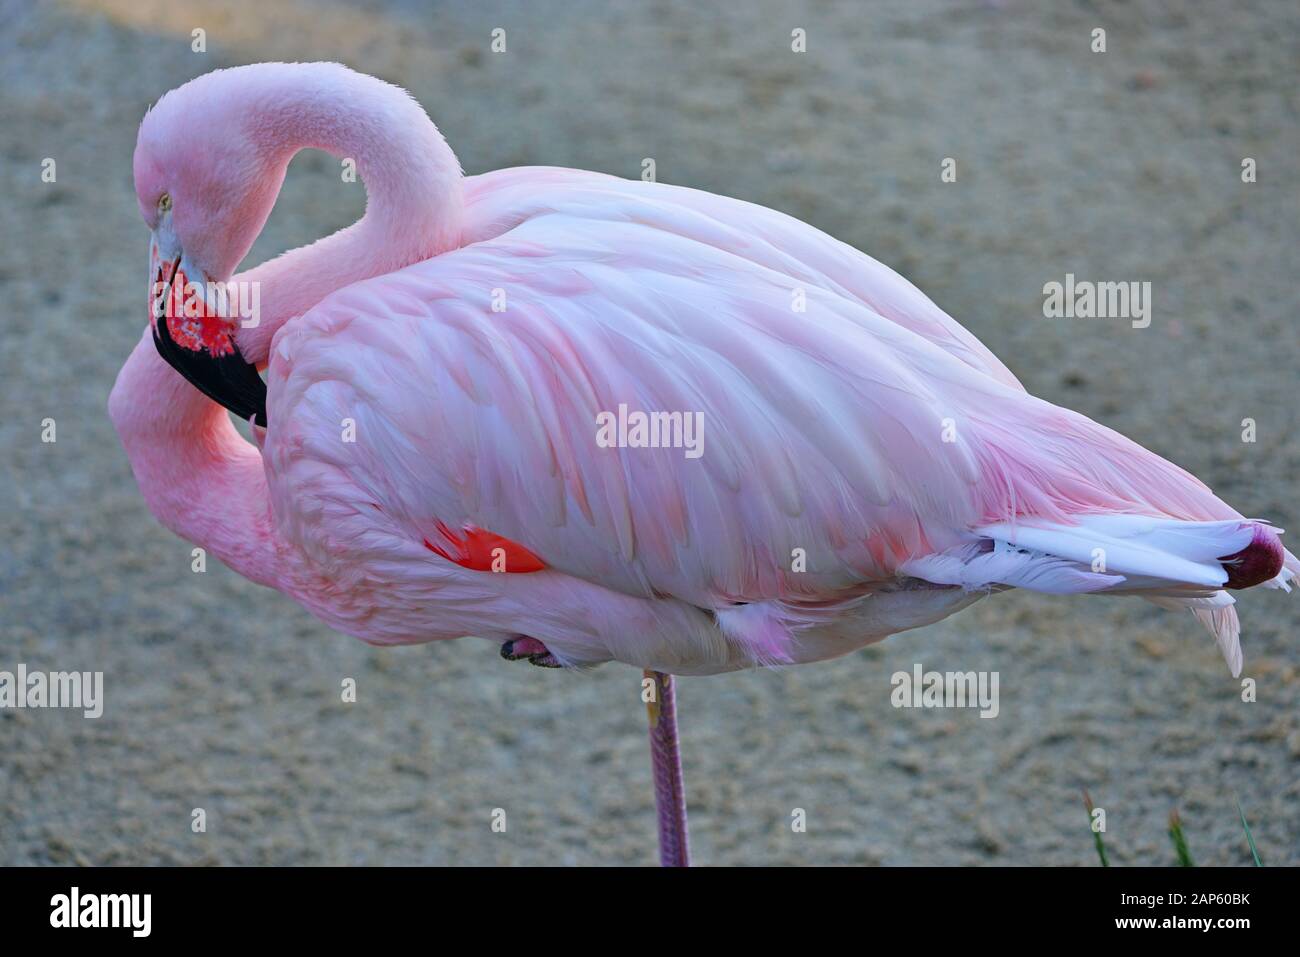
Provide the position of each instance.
(226, 380)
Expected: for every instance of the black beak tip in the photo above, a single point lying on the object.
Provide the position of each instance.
(228, 380)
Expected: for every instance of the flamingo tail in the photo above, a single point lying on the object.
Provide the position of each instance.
(1173, 563)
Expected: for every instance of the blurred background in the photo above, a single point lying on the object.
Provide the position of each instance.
(1123, 165)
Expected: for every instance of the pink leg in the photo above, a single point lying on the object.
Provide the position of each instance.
(666, 760)
(532, 649)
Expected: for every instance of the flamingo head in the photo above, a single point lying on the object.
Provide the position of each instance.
(205, 191)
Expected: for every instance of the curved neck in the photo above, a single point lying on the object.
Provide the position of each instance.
(199, 476)
(413, 183)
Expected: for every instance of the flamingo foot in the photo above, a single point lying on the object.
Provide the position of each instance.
(532, 649)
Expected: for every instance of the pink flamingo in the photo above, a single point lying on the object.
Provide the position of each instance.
(430, 460)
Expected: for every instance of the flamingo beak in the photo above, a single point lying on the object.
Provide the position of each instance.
(197, 341)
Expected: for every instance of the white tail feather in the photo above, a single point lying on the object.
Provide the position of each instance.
(1284, 577)
(1172, 563)
(1186, 553)
(974, 566)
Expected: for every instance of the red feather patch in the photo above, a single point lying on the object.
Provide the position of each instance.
(484, 551)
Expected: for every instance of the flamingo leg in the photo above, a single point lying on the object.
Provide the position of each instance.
(666, 760)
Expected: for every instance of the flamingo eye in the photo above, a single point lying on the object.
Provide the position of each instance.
(164, 202)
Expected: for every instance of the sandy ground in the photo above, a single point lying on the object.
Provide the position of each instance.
(225, 696)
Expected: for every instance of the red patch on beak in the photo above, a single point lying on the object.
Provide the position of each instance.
(484, 551)
(193, 324)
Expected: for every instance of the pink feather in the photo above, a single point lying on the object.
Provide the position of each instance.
(867, 432)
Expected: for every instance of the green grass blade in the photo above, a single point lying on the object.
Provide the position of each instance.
(1180, 840)
(1096, 835)
(1249, 837)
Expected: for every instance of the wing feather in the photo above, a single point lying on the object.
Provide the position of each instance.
(865, 431)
